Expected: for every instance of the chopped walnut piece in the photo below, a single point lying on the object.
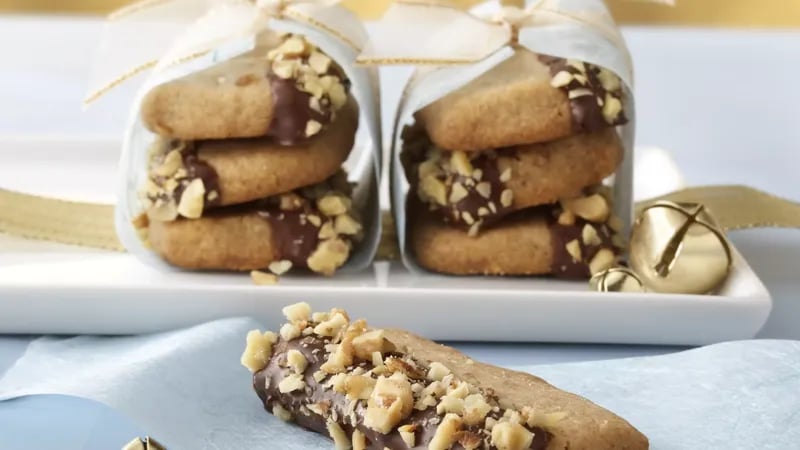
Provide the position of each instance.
(359, 440)
(457, 193)
(507, 198)
(326, 231)
(566, 218)
(319, 62)
(391, 401)
(408, 434)
(285, 69)
(298, 312)
(192, 200)
(280, 267)
(281, 413)
(368, 343)
(602, 260)
(475, 409)
(484, 189)
(431, 188)
(329, 256)
(358, 387)
(291, 383)
(263, 278)
(445, 435)
(450, 404)
(511, 436)
(593, 208)
(294, 46)
(332, 326)
(165, 212)
(430, 395)
(461, 163)
(589, 235)
(297, 361)
(291, 202)
(347, 225)
(313, 128)
(333, 205)
(258, 350)
(172, 162)
(574, 250)
(437, 371)
(469, 440)
(395, 364)
(340, 439)
(290, 331)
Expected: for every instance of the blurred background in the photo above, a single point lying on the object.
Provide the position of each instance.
(748, 13)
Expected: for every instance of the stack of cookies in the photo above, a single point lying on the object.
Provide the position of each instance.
(245, 172)
(506, 172)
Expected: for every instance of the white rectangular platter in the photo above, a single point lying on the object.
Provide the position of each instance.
(53, 288)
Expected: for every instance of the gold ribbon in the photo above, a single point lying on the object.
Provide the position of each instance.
(158, 34)
(92, 225)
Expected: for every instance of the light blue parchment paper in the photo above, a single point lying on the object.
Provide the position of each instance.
(187, 389)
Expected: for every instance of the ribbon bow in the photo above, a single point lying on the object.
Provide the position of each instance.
(156, 34)
(436, 33)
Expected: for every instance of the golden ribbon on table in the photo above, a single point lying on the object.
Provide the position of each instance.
(668, 239)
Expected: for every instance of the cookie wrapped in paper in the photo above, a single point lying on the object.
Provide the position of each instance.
(372, 388)
(261, 153)
(514, 159)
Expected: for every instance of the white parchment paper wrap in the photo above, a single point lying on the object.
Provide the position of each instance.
(363, 164)
(187, 389)
(566, 40)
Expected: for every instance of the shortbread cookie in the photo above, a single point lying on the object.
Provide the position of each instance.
(233, 171)
(476, 189)
(575, 239)
(526, 99)
(377, 389)
(290, 93)
(310, 228)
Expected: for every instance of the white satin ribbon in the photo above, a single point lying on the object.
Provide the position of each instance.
(156, 34)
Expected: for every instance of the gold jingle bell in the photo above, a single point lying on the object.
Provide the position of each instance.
(147, 443)
(617, 279)
(679, 248)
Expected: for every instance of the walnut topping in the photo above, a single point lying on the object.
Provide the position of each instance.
(368, 344)
(258, 350)
(450, 404)
(340, 439)
(332, 326)
(566, 218)
(511, 436)
(431, 188)
(298, 312)
(172, 162)
(347, 225)
(358, 387)
(297, 361)
(574, 249)
(192, 200)
(313, 128)
(437, 371)
(602, 260)
(445, 435)
(475, 409)
(612, 107)
(290, 331)
(457, 193)
(469, 440)
(430, 395)
(280, 267)
(263, 278)
(561, 79)
(408, 435)
(319, 62)
(329, 256)
(391, 401)
(285, 69)
(333, 205)
(407, 368)
(359, 440)
(589, 235)
(460, 162)
(291, 383)
(281, 413)
(507, 198)
(593, 208)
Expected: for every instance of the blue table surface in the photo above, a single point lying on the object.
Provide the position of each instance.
(706, 137)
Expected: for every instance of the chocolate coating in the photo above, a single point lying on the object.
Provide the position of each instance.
(587, 114)
(564, 265)
(295, 237)
(265, 383)
(197, 168)
(474, 201)
(293, 111)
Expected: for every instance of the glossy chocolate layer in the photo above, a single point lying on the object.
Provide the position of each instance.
(292, 234)
(587, 111)
(293, 111)
(564, 264)
(348, 416)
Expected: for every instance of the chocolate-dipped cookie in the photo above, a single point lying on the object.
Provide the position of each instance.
(373, 389)
(472, 190)
(234, 171)
(289, 95)
(310, 228)
(526, 99)
(573, 239)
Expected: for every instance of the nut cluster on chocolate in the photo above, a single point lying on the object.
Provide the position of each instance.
(340, 378)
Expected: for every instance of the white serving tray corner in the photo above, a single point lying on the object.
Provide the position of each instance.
(52, 288)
